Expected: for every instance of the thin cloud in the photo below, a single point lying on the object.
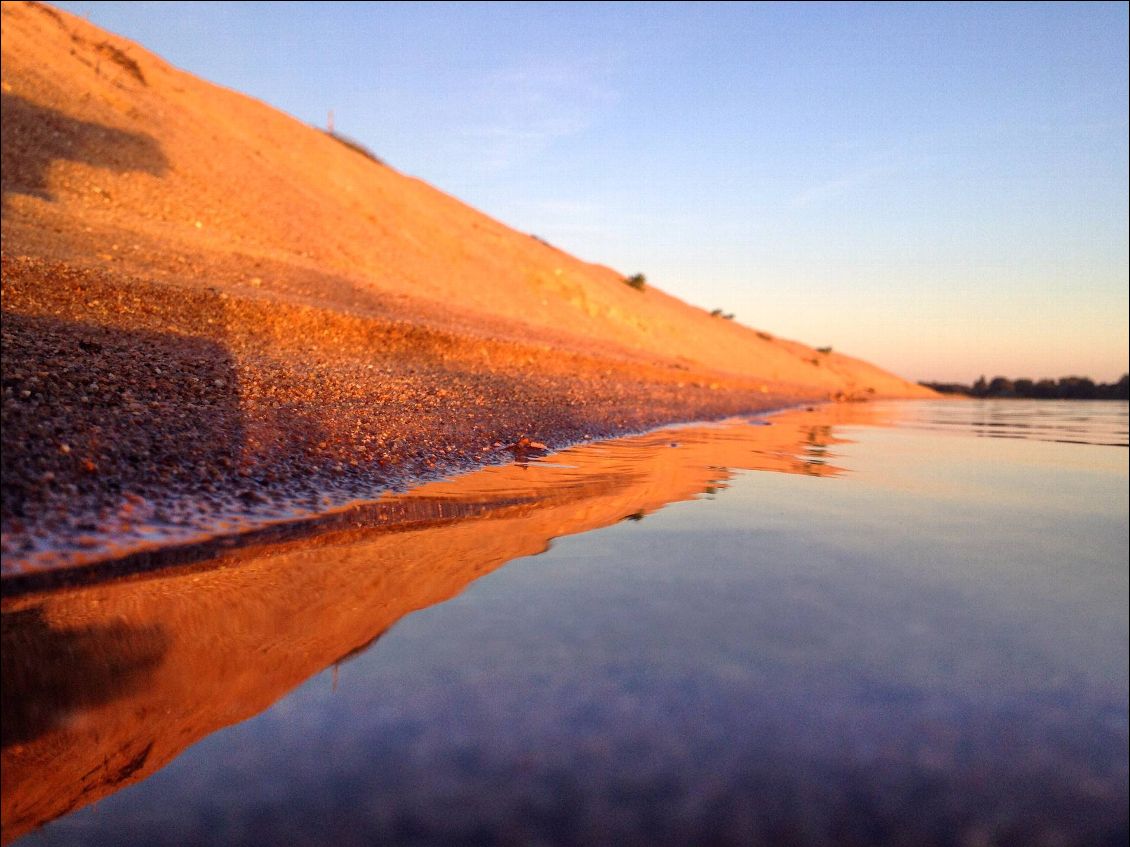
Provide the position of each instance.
(821, 193)
(521, 112)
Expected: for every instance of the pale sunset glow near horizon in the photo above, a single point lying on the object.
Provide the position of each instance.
(939, 189)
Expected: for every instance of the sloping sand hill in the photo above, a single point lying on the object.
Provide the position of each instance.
(212, 310)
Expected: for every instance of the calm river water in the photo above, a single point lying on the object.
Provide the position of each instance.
(876, 624)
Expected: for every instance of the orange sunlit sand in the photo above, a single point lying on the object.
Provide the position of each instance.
(213, 311)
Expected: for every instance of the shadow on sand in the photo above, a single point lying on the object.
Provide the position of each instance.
(90, 407)
(34, 137)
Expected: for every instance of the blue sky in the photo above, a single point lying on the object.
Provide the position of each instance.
(941, 189)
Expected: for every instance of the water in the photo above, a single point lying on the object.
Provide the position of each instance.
(879, 624)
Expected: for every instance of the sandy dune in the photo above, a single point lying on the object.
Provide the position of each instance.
(213, 312)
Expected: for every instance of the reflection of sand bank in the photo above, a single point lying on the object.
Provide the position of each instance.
(188, 650)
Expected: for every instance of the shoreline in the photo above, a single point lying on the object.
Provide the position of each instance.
(133, 408)
(139, 414)
(117, 557)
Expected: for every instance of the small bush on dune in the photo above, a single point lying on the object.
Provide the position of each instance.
(355, 146)
(824, 350)
(122, 60)
(636, 281)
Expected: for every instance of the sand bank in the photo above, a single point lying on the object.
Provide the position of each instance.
(215, 315)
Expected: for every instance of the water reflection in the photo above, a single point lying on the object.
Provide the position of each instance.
(52, 674)
(105, 683)
(1095, 422)
(930, 649)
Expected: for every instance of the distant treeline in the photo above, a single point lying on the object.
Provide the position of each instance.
(1065, 388)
